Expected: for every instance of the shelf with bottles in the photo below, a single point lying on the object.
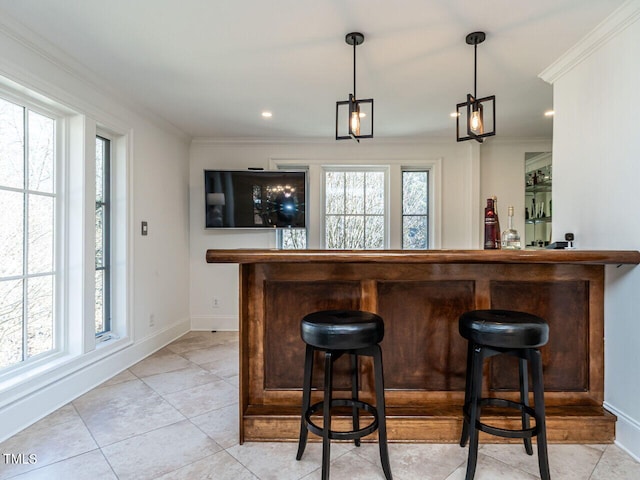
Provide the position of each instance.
(544, 187)
(538, 220)
(538, 179)
(538, 199)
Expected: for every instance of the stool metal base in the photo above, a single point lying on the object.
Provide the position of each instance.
(473, 404)
(350, 435)
(524, 433)
(325, 406)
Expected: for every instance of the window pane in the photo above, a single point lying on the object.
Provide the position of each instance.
(294, 238)
(334, 192)
(41, 152)
(334, 231)
(40, 315)
(40, 235)
(11, 229)
(354, 195)
(100, 327)
(375, 193)
(99, 169)
(99, 235)
(102, 261)
(364, 198)
(415, 209)
(415, 232)
(27, 233)
(354, 232)
(10, 322)
(415, 195)
(375, 232)
(11, 145)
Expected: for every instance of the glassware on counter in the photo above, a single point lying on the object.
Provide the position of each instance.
(511, 237)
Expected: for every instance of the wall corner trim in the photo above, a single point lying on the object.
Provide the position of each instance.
(627, 432)
(625, 15)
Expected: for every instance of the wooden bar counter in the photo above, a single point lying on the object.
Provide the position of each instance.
(420, 296)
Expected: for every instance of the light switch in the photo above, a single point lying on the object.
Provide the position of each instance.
(144, 230)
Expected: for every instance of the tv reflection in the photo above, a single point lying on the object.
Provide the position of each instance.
(278, 207)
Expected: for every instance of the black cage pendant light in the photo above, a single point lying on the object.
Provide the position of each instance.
(477, 115)
(354, 118)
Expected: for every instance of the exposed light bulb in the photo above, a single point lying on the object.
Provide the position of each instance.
(476, 122)
(355, 122)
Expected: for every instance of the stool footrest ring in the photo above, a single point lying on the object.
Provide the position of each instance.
(505, 432)
(348, 435)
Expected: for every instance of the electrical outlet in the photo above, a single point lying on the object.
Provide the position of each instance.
(152, 320)
(216, 302)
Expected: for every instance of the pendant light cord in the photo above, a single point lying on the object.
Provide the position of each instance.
(475, 70)
(354, 66)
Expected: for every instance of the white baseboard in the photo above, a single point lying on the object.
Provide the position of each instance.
(25, 411)
(224, 323)
(627, 432)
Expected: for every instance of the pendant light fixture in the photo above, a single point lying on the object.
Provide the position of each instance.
(477, 115)
(354, 118)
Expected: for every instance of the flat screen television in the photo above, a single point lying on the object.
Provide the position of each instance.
(255, 199)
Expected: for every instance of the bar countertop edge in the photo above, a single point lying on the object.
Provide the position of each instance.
(581, 257)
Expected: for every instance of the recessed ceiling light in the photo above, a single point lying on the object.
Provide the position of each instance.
(454, 114)
(549, 113)
(267, 114)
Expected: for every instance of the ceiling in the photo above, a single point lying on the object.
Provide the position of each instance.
(211, 67)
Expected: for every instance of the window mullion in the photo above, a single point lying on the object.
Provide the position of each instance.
(364, 209)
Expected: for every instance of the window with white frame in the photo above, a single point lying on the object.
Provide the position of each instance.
(415, 209)
(103, 236)
(354, 208)
(28, 234)
(50, 183)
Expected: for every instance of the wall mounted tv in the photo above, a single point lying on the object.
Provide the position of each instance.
(255, 199)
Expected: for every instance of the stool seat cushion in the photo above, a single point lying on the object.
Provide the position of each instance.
(342, 329)
(504, 328)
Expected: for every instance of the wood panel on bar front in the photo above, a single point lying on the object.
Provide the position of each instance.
(423, 353)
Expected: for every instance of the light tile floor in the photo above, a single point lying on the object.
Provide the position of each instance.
(173, 416)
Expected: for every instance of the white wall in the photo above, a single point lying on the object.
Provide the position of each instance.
(596, 176)
(159, 276)
(501, 168)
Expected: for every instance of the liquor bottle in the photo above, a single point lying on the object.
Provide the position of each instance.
(491, 229)
(495, 209)
(511, 237)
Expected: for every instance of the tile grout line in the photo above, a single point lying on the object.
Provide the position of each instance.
(597, 463)
(95, 440)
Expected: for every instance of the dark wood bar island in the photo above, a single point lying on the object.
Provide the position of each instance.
(420, 296)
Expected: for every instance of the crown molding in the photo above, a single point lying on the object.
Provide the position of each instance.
(625, 15)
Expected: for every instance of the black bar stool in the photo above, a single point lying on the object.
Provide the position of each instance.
(495, 332)
(339, 332)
